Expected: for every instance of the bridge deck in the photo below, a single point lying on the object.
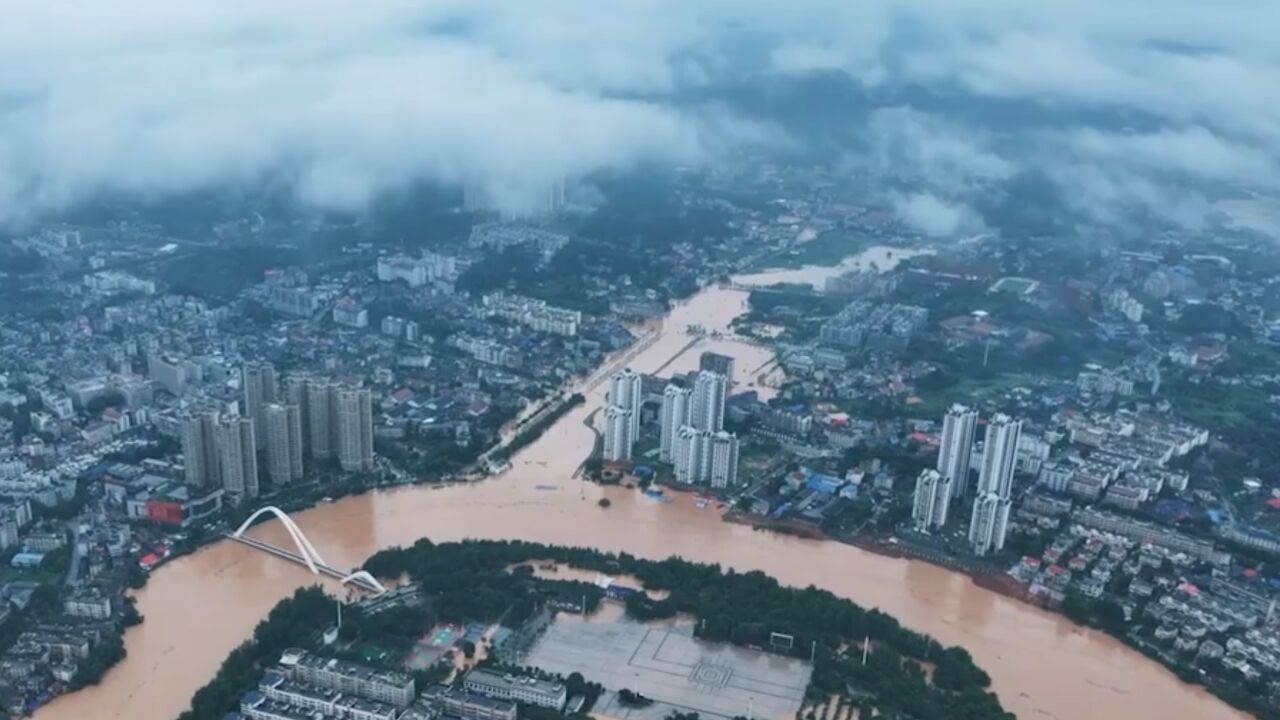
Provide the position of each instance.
(300, 560)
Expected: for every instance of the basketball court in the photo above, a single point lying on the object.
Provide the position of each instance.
(432, 647)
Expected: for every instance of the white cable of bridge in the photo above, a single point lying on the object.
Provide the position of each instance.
(305, 548)
(309, 554)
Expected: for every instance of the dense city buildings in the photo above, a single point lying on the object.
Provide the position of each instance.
(537, 314)
(220, 451)
(393, 688)
(691, 435)
(417, 272)
(878, 327)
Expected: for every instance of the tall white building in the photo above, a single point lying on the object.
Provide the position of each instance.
(693, 439)
(1001, 524)
(622, 416)
(321, 418)
(283, 431)
(295, 393)
(724, 460)
(275, 431)
(237, 456)
(986, 528)
(957, 443)
(925, 496)
(702, 457)
(417, 271)
(706, 406)
(625, 391)
(990, 519)
(353, 413)
(618, 440)
(932, 500)
(675, 414)
(169, 372)
(258, 382)
(1000, 456)
(296, 442)
(691, 455)
(200, 450)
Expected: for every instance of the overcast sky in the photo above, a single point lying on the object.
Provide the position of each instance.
(346, 100)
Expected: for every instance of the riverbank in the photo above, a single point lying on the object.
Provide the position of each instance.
(988, 578)
(994, 580)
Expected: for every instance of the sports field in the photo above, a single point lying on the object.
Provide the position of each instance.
(432, 647)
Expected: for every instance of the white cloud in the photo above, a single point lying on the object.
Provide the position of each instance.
(346, 101)
(936, 217)
(909, 142)
(804, 57)
(1192, 152)
(149, 98)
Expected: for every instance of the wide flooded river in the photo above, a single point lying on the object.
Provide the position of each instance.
(200, 607)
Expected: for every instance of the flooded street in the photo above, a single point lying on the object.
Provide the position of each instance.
(876, 259)
(199, 608)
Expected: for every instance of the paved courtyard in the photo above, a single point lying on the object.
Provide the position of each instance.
(671, 667)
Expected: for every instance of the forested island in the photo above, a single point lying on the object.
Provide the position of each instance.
(901, 674)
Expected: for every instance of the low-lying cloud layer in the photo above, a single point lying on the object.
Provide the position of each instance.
(1114, 106)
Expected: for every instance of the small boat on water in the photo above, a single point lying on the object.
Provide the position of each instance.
(656, 494)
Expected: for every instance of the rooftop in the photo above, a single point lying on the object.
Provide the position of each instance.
(513, 682)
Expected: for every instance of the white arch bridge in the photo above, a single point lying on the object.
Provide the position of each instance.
(306, 555)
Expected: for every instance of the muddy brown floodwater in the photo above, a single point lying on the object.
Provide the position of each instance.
(200, 607)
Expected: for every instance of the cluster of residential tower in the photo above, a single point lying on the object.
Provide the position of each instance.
(937, 489)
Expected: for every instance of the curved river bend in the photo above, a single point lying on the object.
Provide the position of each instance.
(198, 608)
